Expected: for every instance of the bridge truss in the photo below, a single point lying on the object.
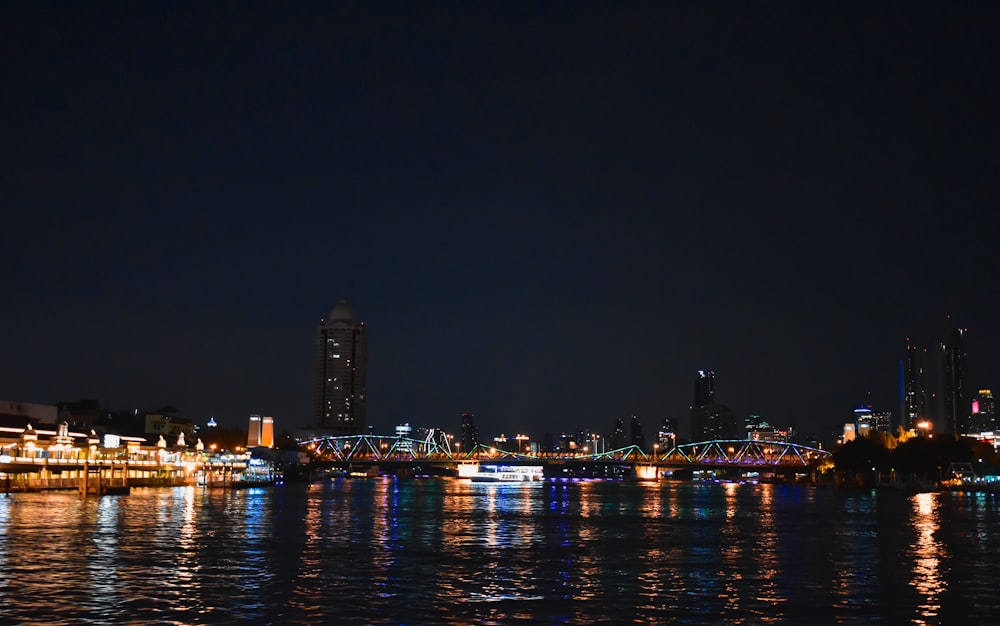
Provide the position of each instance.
(736, 453)
(744, 452)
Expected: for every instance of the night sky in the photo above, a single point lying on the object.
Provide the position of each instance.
(548, 214)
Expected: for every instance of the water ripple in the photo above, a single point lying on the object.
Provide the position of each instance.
(454, 552)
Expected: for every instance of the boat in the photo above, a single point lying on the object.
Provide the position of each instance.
(507, 474)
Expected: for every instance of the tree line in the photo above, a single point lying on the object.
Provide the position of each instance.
(880, 458)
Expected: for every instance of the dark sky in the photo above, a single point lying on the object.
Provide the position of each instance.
(548, 214)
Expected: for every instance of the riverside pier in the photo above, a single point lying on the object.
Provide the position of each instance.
(36, 460)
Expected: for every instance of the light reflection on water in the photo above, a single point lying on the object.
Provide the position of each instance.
(927, 554)
(455, 552)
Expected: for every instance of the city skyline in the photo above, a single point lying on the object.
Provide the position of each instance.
(342, 340)
(557, 228)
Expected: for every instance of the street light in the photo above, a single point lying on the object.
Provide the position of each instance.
(522, 439)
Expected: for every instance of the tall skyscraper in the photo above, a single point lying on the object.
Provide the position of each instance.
(704, 388)
(618, 438)
(709, 419)
(638, 437)
(914, 386)
(954, 386)
(470, 436)
(342, 373)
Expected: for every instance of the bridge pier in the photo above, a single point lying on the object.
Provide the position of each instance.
(647, 471)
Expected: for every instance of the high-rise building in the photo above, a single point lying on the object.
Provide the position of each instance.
(704, 388)
(260, 432)
(984, 412)
(618, 438)
(341, 373)
(954, 386)
(267, 432)
(914, 386)
(709, 419)
(470, 436)
(638, 437)
(869, 421)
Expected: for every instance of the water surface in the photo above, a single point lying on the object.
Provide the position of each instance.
(448, 551)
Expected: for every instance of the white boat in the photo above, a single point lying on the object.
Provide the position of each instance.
(507, 474)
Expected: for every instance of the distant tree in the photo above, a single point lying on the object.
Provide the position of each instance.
(916, 458)
(928, 458)
(886, 440)
(858, 461)
(986, 460)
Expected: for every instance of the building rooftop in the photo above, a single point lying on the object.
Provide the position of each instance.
(342, 312)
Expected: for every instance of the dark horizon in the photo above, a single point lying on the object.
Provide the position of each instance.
(549, 216)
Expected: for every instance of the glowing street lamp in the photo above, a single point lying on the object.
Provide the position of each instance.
(522, 445)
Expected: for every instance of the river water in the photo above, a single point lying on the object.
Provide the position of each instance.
(447, 551)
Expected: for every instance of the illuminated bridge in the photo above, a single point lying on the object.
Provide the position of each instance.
(388, 452)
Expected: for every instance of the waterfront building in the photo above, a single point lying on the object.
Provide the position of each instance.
(167, 421)
(913, 386)
(55, 457)
(954, 385)
(16, 414)
(260, 432)
(341, 373)
(82, 414)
